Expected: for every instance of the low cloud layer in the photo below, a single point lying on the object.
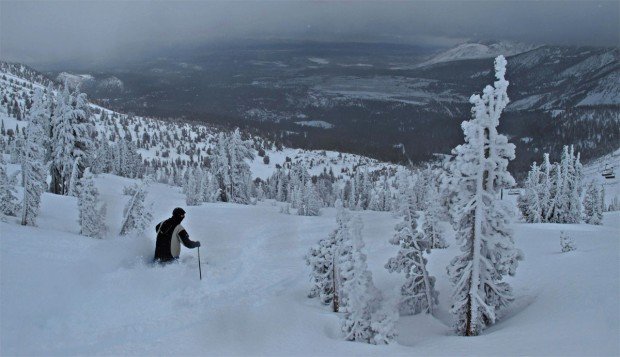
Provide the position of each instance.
(49, 31)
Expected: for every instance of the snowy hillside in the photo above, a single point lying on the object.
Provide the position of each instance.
(479, 50)
(160, 142)
(66, 294)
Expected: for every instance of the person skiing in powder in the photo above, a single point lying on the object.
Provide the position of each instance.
(170, 235)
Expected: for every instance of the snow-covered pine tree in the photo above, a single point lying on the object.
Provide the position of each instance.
(17, 148)
(92, 217)
(383, 323)
(592, 205)
(374, 204)
(546, 189)
(240, 174)
(365, 188)
(342, 234)
(557, 195)
(192, 189)
(418, 293)
(8, 201)
(104, 160)
(352, 199)
(310, 204)
(432, 217)
(281, 184)
(260, 192)
(603, 206)
(566, 242)
(320, 258)
(136, 214)
(360, 298)
(213, 192)
(203, 182)
(529, 202)
(74, 179)
(419, 189)
(403, 187)
(564, 194)
(576, 188)
(71, 128)
(220, 166)
(385, 195)
(33, 165)
(567, 188)
(477, 174)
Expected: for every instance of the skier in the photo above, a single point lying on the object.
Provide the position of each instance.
(170, 235)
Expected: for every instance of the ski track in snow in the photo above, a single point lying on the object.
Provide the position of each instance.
(64, 294)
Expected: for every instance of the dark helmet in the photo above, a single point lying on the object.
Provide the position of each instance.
(178, 212)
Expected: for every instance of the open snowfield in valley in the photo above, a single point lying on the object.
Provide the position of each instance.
(65, 294)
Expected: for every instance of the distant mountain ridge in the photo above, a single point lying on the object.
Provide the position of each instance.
(475, 50)
(369, 98)
(98, 85)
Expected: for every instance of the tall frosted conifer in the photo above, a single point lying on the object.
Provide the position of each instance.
(476, 176)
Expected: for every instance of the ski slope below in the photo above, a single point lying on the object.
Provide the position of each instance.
(64, 294)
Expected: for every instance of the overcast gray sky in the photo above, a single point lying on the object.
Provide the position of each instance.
(49, 31)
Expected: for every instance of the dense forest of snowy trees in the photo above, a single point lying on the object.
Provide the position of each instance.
(556, 193)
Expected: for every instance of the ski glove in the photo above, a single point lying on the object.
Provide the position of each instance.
(197, 244)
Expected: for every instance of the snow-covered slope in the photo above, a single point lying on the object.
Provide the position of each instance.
(65, 294)
(472, 50)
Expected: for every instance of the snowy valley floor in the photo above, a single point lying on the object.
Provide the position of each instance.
(65, 294)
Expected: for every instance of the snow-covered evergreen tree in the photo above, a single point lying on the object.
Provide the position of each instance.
(240, 174)
(566, 242)
(432, 217)
(476, 176)
(309, 204)
(74, 178)
(530, 201)
(8, 201)
(385, 195)
(360, 298)
(33, 166)
(403, 188)
(564, 189)
(71, 128)
(213, 192)
(260, 192)
(546, 189)
(92, 216)
(229, 167)
(136, 214)
(374, 201)
(17, 148)
(383, 323)
(418, 293)
(592, 205)
(193, 194)
(320, 258)
(576, 188)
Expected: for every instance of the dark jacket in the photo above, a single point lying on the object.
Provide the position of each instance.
(170, 235)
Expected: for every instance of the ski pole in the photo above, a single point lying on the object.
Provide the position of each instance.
(199, 267)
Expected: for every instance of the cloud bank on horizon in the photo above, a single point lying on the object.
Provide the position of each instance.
(51, 31)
